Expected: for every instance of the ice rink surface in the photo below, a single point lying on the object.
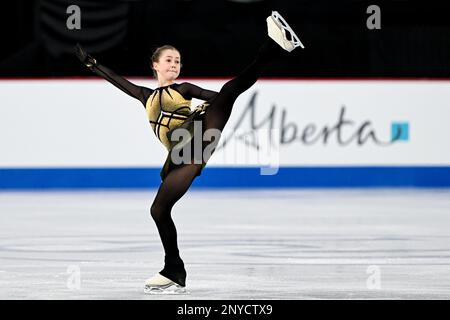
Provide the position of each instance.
(236, 244)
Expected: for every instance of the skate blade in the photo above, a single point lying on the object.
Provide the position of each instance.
(171, 289)
(282, 33)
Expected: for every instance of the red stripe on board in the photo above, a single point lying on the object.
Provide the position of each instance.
(93, 78)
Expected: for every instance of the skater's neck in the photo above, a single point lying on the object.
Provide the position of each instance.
(165, 83)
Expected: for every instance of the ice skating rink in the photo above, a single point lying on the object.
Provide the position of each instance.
(236, 244)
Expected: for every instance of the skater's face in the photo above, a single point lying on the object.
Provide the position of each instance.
(168, 66)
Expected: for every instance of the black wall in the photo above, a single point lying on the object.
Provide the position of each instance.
(219, 37)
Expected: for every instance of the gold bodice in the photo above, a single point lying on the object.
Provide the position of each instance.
(166, 109)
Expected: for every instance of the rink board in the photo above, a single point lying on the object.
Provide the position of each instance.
(85, 133)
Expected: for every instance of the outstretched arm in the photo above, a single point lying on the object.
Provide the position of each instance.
(138, 92)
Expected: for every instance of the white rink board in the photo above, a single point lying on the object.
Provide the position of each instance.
(89, 123)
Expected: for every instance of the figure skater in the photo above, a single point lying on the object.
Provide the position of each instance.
(168, 109)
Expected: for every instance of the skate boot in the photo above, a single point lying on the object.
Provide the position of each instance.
(282, 33)
(159, 284)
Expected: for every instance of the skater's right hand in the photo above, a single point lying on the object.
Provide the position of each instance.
(84, 57)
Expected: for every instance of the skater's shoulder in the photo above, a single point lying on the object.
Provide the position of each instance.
(184, 84)
(188, 86)
(184, 88)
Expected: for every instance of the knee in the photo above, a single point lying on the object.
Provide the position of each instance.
(159, 212)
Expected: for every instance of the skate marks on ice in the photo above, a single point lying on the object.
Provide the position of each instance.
(242, 244)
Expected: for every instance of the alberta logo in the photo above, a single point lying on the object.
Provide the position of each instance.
(345, 131)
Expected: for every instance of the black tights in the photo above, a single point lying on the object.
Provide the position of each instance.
(180, 179)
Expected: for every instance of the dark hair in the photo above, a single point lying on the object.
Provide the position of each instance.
(157, 54)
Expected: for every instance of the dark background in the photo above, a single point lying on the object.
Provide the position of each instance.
(217, 38)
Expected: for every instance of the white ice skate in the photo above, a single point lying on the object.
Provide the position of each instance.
(282, 33)
(159, 284)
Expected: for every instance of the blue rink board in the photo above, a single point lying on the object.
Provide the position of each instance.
(221, 177)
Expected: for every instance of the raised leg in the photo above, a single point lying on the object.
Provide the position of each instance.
(219, 110)
(282, 39)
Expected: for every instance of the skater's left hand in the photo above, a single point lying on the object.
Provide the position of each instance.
(84, 57)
